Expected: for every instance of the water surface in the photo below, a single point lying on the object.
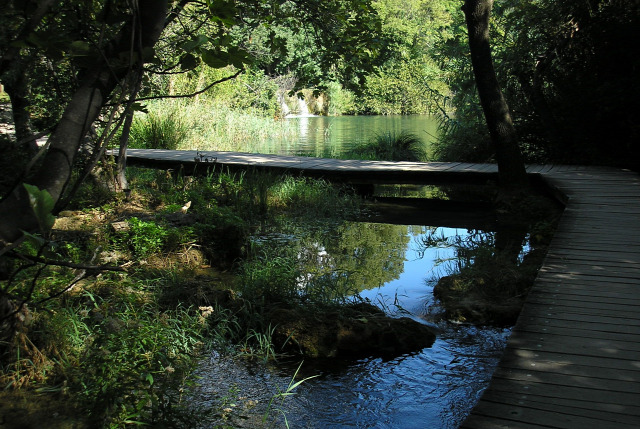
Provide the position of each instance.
(325, 136)
(434, 388)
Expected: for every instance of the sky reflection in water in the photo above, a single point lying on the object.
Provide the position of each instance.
(435, 388)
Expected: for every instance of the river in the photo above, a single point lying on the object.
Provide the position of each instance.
(330, 136)
(434, 388)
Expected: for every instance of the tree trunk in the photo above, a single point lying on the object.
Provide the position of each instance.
(121, 183)
(18, 92)
(511, 170)
(83, 109)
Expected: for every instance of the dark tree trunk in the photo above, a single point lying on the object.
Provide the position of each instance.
(512, 173)
(120, 177)
(82, 110)
(18, 92)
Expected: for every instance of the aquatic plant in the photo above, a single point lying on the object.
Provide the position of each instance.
(391, 147)
(277, 401)
(159, 129)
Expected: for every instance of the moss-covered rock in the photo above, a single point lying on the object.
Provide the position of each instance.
(351, 331)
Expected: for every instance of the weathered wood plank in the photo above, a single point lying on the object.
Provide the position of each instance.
(611, 413)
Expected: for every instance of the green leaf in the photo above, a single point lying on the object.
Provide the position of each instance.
(214, 59)
(42, 205)
(223, 11)
(194, 43)
(189, 62)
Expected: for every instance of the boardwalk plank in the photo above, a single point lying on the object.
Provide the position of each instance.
(611, 413)
(555, 391)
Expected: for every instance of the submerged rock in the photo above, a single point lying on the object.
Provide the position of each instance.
(471, 305)
(352, 331)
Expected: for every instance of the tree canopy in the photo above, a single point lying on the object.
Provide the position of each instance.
(99, 55)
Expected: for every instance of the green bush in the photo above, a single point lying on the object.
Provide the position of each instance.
(341, 101)
(145, 238)
(391, 147)
(161, 128)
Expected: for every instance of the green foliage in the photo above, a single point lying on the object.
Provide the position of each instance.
(405, 87)
(271, 274)
(569, 89)
(42, 205)
(391, 147)
(341, 101)
(145, 237)
(137, 360)
(464, 138)
(159, 129)
(413, 78)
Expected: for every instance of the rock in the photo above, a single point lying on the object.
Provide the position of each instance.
(121, 226)
(470, 305)
(348, 332)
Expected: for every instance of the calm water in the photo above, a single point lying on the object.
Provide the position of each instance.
(332, 135)
(435, 388)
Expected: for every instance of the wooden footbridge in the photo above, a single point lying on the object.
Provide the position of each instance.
(573, 358)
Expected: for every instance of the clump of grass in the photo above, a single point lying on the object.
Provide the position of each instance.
(204, 125)
(311, 197)
(271, 274)
(136, 359)
(160, 129)
(391, 147)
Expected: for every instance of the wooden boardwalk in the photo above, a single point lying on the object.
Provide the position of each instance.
(354, 171)
(573, 358)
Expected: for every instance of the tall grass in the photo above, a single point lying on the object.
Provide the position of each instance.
(391, 147)
(204, 125)
(159, 129)
(314, 198)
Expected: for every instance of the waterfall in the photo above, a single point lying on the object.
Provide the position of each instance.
(303, 110)
(283, 104)
(285, 109)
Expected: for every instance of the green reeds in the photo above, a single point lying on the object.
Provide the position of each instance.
(159, 129)
(204, 125)
(391, 147)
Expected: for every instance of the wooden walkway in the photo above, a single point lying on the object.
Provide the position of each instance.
(573, 358)
(354, 171)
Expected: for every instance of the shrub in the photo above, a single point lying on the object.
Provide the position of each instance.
(162, 128)
(146, 238)
(391, 147)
